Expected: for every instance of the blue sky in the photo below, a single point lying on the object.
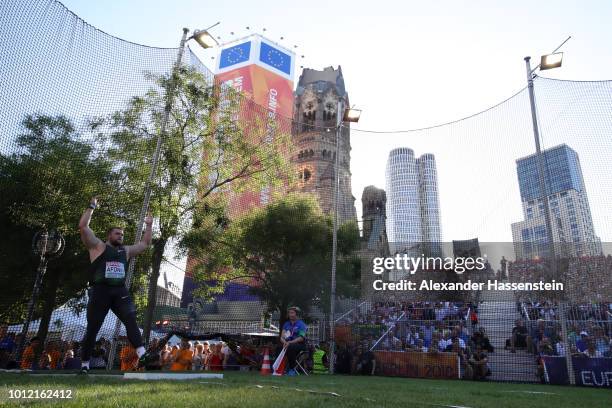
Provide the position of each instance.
(410, 64)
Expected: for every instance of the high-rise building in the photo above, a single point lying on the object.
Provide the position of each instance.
(571, 222)
(316, 104)
(413, 211)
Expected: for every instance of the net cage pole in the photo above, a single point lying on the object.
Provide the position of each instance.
(547, 217)
(332, 306)
(145, 204)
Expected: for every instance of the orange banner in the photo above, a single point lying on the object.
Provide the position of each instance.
(417, 365)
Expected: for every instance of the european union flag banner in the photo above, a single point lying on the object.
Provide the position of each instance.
(275, 58)
(235, 55)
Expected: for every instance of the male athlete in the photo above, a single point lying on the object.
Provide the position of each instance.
(107, 291)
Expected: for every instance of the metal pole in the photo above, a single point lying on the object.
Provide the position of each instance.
(145, 204)
(547, 217)
(332, 312)
(40, 272)
(540, 160)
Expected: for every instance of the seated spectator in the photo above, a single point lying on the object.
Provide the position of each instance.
(232, 358)
(391, 342)
(166, 357)
(445, 342)
(581, 343)
(320, 362)
(463, 358)
(293, 337)
(480, 339)
(7, 347)
(128, 357)
(591, 350)
(456, 334)
(215, 361)
(183, 357)
(344, 360)
(54, 355)
(412, 336)
(545, 347)
(560, 348)
(602, 342)
(519, 336)
(198, 357)
(365, 363)
(474, 318)
(479, 363)
(206, 352)
(28, 356)
(70, 362)
(226, 351)
(420, 346)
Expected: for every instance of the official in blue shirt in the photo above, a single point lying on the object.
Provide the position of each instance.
(293, 338)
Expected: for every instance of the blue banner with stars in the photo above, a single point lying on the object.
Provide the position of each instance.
(275, 58)
(235, 55)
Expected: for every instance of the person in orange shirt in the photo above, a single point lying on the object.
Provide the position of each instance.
(183, 357)
(166, 357)
(54, 355)
(128, 357)
(27, 358)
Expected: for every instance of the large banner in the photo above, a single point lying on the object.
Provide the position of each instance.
(589, 372)
(418, 365)
(262, 71)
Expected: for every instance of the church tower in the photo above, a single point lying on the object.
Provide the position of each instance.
(315, 114)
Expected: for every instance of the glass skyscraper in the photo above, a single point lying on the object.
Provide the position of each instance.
(571, 221)
(413, 211)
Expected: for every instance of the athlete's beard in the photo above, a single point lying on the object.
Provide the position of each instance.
(115, 243)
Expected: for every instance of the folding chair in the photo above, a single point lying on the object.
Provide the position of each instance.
(300, 361)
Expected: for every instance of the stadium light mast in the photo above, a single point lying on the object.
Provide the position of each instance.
(348, 115)
(548, 61)
(205, 40)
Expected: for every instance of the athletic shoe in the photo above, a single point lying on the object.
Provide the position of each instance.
(291, 373)
(84, 370)
(151, 356)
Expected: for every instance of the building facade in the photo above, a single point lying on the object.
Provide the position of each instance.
(374, 241)
(314, 136)
(572, 225)
(413, 211)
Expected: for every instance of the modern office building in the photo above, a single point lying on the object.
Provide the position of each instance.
(413, 211)
(571, 222)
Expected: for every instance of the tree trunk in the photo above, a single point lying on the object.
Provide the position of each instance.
(159, 245)
(48, 302)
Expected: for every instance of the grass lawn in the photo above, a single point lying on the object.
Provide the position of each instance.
(253, 390)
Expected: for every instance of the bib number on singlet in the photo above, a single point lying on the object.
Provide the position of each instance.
(114, 270)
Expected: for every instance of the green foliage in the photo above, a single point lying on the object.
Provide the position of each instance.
(283, 248)
(47, 181)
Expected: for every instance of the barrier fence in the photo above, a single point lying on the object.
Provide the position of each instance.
(242, 204)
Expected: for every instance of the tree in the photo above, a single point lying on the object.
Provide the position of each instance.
(47, 181)
(204, 150)
(284, 249)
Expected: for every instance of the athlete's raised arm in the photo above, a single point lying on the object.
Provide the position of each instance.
(145, 242)
(87, 235)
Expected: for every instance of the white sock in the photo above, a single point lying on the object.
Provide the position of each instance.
(140, 351)
(85, 364)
